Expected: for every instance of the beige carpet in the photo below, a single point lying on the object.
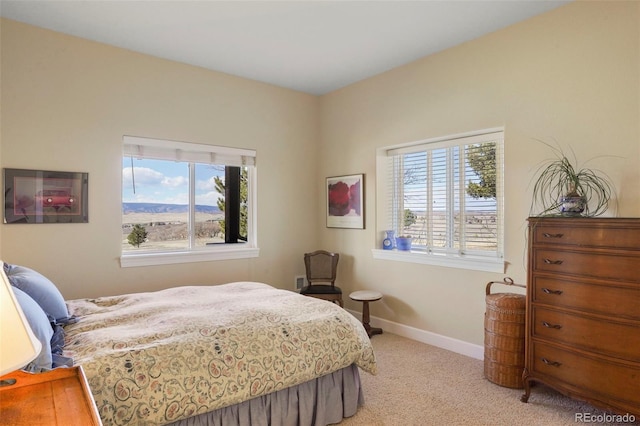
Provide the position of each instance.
(418, 384)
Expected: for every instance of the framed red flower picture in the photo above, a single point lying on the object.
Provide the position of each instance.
(345, 201)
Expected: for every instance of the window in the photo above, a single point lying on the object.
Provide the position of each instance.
(185, 202)
(447, 194)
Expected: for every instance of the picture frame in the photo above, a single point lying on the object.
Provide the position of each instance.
(42, 196)
(345, 201)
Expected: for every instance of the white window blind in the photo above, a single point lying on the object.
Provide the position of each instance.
(159, 149)
(447, 194)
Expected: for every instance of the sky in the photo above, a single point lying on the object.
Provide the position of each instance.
(167, 182)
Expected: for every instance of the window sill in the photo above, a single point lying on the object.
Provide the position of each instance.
(467, 262)
(151, 259)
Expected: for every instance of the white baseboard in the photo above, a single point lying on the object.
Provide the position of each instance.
(438, 340)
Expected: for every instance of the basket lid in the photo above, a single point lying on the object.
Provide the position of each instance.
(506, 300)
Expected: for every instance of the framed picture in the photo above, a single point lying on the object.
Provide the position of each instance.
(40, 196)
(345, 201)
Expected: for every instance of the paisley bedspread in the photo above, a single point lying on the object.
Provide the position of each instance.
(159, 357)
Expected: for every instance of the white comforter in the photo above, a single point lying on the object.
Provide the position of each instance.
(155, 358)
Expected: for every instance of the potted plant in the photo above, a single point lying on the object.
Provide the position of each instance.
(403, 242)
(563, 187)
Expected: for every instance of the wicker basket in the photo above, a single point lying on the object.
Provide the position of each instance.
(504, 337)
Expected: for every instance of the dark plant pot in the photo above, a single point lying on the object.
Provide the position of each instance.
(572, 205)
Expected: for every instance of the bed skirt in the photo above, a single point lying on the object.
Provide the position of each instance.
(319, 402)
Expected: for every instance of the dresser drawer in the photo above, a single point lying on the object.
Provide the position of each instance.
(612, 266)
(616, 383)
(619, 339)
(588, 233)
(621, 300)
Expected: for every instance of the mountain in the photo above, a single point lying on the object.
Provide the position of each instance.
(165, 208)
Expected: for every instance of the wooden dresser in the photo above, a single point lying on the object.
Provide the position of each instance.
(583, 310)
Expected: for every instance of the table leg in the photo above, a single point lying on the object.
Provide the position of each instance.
(365, 320)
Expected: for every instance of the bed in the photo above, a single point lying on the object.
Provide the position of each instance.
(240, 353)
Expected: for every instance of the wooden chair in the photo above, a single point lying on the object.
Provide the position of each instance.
(321, 269)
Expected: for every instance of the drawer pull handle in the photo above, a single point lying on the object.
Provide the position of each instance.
(556, 326)
(551, 363)
(552, 262)
(546, 290)
(547, 235)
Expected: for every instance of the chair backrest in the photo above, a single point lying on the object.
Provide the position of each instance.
(321, 266)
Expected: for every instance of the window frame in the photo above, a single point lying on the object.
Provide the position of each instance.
(488, 262)
(193, 151)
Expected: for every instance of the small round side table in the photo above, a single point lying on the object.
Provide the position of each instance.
(366, 296)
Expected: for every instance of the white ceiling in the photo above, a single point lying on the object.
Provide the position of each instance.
(310, 46)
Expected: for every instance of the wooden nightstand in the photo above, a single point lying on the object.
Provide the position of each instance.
(58, 397)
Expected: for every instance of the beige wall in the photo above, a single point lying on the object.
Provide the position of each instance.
(571, 76)
(67, 102)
